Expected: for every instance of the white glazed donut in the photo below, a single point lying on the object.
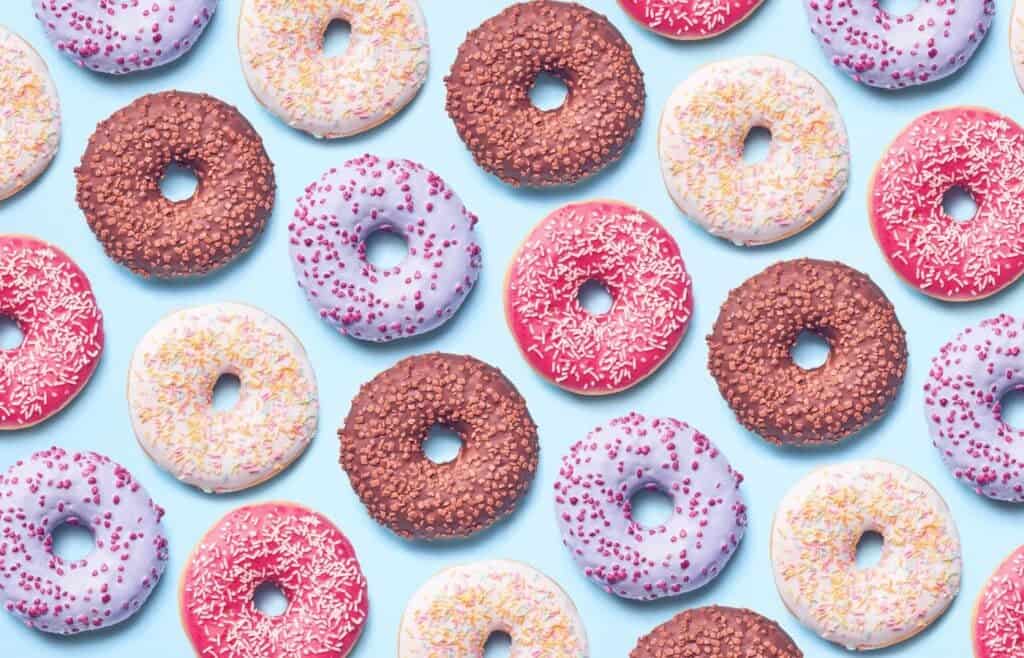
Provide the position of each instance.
(170, 386)
(457, 610)
(281, 45)
(814, 547)
(701, 138)
(29, 114)
(1017, 40)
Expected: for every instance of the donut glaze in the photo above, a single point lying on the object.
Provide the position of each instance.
(382, 446)
(52, 488)
(50, 299)
(638, 263)
(1017, 40)
(814, 547)
(170, 389)
(29, 114)
(701, 142)
(717, 632)
(300, 552)
(126, 35)
(967, 380)
(883, 50)
(972, 148)
(327, 243)
(998, 623)
(381, 71)
(749, 352)
(497, 66)
(457, 610)
(689, 19)
(592, 502)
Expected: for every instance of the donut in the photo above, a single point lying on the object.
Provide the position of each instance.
(382, 70)
(458, 609)
(297, 550)
(382, 446)
(592, 502)
(125, 160)
(497, 66)
(760, 322)
(29, 114)
(689, 20)
(701, 141)
(976, 150)
(50, 299)
(998, 624)
(717, 632)
(880, 49)
(968, 379)
(124, 37)
(170, 388)
(50, 594)
(327, 242)
(814, 547)
(638, 263)
(1017, 40)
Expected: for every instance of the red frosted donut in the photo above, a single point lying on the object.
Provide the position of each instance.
(972, 148)
(50, 299)
(300, 552)
(635, 259)
(690, 19)
(998, 616)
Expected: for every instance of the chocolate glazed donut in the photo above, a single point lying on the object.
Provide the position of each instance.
(382, 446)
(717, 632)
(760, 322)
(127, 157)
(498, 64)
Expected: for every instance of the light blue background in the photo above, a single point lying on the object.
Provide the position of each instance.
(98, 420)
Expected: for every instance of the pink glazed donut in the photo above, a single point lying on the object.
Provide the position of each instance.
(967, 380)
(592, 500)
(328, 248)
(122, 36)
(883, 50)
(690, 19)
(55, 487)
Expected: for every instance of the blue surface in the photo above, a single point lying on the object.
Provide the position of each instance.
(683, 388)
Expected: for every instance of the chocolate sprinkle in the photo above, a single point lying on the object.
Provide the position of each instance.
(717, 632)
(382, 446)
(749, 352)
(496, 67)
(127, 157)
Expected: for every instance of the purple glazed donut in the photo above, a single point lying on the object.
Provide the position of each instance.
(592, 500)
(968, 378)
(107, 586)
(884, 50)
(122, 36)
(328, 248)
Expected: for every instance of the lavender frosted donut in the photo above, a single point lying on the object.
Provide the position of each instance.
(122, 36)
(328, 248)
(54, 487)
(968, 378)
(884, 50)
(592, 500)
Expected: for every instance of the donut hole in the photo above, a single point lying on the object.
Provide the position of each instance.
(548, 92)
(810, 350)
(71, 540)
(498, 645)
(442, 444)
(385, 248)
(337, 36)
(869, 549)
(11, 335)
(226, 392)
(1010, 409)
(899, 7)
(595, 298)
(958, 204)
(270, 600)
(179, 182)
(650, 507)
(756, 145)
